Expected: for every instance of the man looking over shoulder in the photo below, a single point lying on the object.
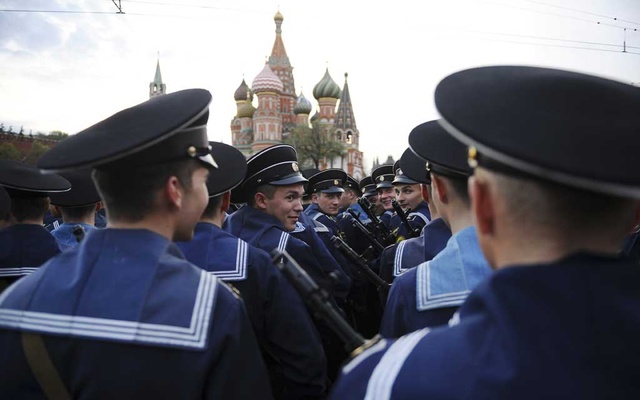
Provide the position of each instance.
(289, 340)
(554, 192)
(124, 315)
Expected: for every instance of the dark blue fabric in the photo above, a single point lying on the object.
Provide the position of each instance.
(280, 320)
(124, 315)
(24, 247)
(566, 330)
(266, 232)
(428, 294)
(417, 219)
(413, 251)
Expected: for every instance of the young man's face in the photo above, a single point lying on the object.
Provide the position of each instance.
(328, 203)
(348, 197)
(409, 196)
(385, 195)
(286, 205)
(194, 202)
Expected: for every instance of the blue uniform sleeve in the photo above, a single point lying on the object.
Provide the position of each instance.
(399, 304)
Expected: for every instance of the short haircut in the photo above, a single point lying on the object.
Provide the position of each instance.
(267, 190)
(545, 203)
(459, 187)
(29, 208)
(212, 207)
(130, 194)
(76, 213)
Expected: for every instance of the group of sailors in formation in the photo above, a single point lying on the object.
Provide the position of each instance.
(178, 295)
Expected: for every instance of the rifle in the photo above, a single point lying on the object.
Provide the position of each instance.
(319, 302)
(382, 286)
(365, 231)
(403, 217)
(386, 235)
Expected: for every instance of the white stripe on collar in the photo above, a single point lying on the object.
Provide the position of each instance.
(17, 271)
(397, 261)
(385, 373)
(193, 336)
(242, 257)
(282, 244)
(427, 301)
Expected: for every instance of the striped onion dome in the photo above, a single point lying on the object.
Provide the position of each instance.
(303, 105)
(267, 81)
(241, 92)
(315, 117)
(246, 110)
(326, 87)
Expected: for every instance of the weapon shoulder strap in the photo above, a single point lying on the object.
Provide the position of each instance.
(42, 367)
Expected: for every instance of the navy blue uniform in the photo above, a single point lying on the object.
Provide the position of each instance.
(402, 256)
(266, 232)
(64, 234)
(350, 233)
(125, 316)
(429, 294)
(23, 248)
(290, 342)
(556, 331)
(417, 218)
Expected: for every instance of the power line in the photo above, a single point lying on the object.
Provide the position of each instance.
(61, 11)
(581, 11)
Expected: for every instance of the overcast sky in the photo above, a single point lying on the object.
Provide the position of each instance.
(66, 71)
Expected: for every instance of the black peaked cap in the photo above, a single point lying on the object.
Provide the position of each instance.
(383, 176)
(570, 128)
(232, 168)
(353, 184)
(414, 167)
(400, 177)
(445, 154)
(26, 180)
(328, 181)
(165, 128)
(367, 186)
(83, 191)
(276, 165)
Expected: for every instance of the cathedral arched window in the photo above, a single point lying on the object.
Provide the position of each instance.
(349, 137)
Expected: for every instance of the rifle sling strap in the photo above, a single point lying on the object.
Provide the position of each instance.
(42, 367)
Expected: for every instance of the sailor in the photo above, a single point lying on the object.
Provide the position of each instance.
(555, 190)
(404, 255)
(429, 294)
(326, 192)
(124, 315)
(351, 194)
(409, 197)
(382, 177)
(370, 193)
(78, 208)
(289, 341)
(273, 189)
(25, 244)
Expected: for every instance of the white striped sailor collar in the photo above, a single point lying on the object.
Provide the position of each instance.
(447, 280)
(240, 271)
(194, 336)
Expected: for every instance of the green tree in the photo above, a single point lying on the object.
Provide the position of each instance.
(56, 135)
(315, 143)
(9, 152)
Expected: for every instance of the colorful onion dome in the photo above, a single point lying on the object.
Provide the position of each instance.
(242, 92)
(303, 105)
(246, 110)
(326, 88)
(267, 81)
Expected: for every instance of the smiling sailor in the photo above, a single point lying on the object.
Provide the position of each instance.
(124, 315)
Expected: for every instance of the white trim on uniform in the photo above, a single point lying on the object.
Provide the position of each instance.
(397, 261)
(282, 244)
(427, 301)
(193, 336)
(385, 373)
(17, 271)
(240, 273)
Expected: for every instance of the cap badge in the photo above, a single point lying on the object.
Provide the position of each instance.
(399, 172)
(472, 157)
(381, 178)
(191, 151)
(336, 182)
(295, 167)
(428, 166)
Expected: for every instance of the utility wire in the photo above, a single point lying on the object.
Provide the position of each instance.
(581, 11)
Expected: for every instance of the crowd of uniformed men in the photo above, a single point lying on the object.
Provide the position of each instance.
(178, 296)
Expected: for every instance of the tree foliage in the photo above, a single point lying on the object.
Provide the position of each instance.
(37, 149)
(9, 152)
(315, 143)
